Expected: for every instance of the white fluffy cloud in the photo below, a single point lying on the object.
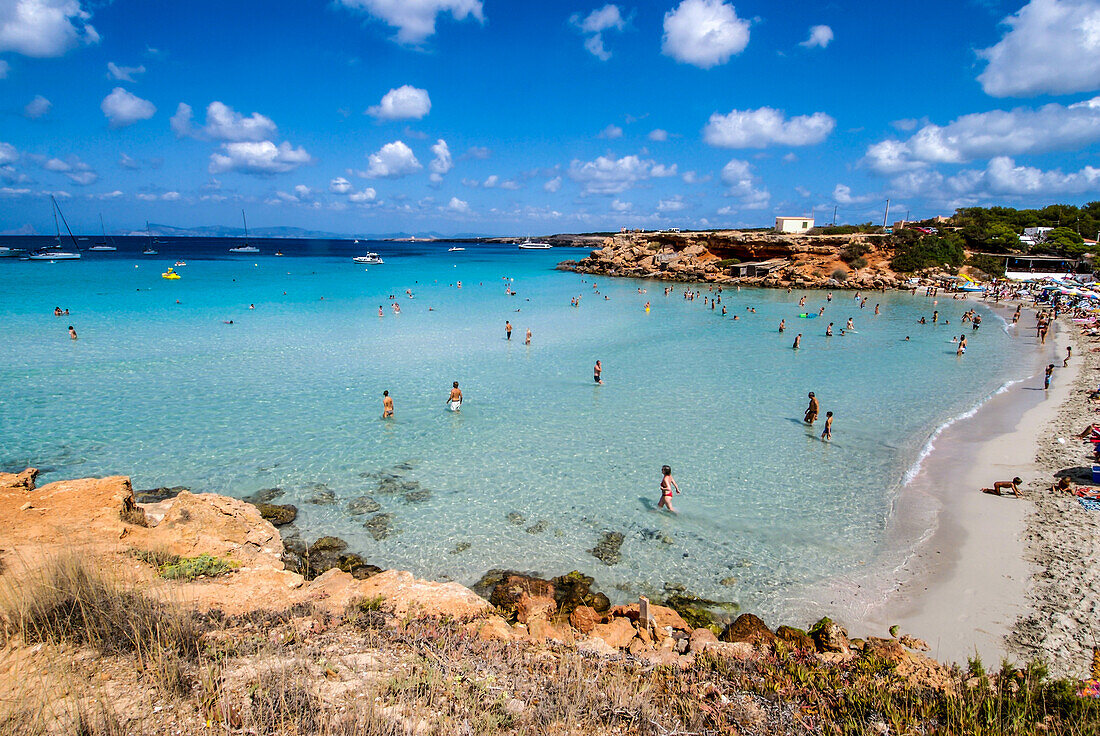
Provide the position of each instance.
(392, 161)
(672, 204)
(820, 37)
(744, 185)
(609, 175)
(765, 126)
(842, 194)
(552, 185)
(704, 33)
(37, 107)
(983, 135)
(44, 28)
(658, 135)
(339, 185)
(1051, 47)
(367, 195)
(415, 19)
(458, 205)
(404, 103)
(1001, 177)
(127, 161)
(611, 132)
(123, 108)
(258, 157)
(223, 123)
(442, 163)
(594, 24)
(123, 73)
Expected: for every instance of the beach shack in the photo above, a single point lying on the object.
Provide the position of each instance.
(1030, 268)
(757, 268)
(793, 224)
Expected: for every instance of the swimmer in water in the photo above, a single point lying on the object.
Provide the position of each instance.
(849, 325)
(380, 310)
(454, 401)
(527, 340)
(72, 332)
(829, 330)
(668, 484)
(797, 340)
(782, 325)
(507, 330)
(387, 405)
(597, 372)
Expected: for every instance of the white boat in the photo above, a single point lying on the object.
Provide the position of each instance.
(8, 252)
(102, 245)
(369, 258)
(453, 250)
(149, 252)
(246, 248)
(180, 263)
(54, 252)
(149, 249)
(528, 245)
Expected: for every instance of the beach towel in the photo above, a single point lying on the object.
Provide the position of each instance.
(1089, 492)
(1090, 504)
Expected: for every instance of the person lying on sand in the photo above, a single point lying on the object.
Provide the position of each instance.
(1005, 485)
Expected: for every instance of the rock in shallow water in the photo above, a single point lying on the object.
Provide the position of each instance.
(277, 514)
(322, 497)
(607, 549)
(419, 496)
(325, 554)
(380, 526)
(515, 517)
(363, 505)
(460, 548)
(537, 528)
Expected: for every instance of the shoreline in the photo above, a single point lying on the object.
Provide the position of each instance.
(955, 571)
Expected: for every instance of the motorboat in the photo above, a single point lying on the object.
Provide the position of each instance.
(180, 263)
(278, 252)
(49, 254)
(370, 259)
(454, 250)
(102, 245)
(528, 245)
(246, 248)
(54, 252)
(170, 274)
(9, 252)
(149, 251)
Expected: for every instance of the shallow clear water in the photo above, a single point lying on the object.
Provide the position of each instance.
(540, 461)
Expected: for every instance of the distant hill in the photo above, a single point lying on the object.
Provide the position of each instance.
(220, 231)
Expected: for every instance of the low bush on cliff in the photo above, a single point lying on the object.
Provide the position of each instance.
(916, 253)
(67, 600)
(189, 568)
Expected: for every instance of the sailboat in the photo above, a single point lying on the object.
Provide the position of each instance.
(54, 252)
(149, 249)
(102, 245)
(246, 248)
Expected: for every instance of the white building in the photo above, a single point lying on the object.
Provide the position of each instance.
(793, 224)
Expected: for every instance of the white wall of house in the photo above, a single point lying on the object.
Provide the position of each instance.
(793, 224)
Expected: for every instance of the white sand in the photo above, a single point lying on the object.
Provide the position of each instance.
(967, 584)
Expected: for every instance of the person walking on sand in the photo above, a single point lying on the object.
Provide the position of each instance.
(72, 332)
(597, 371)
(1069, 354)
(812, 410)
(797, 340)
(507, 330)
(827, 433)
(454, 401)
(387, 405)
(527, 339)
(668, 484)
(1046, 378)
(1005, 485)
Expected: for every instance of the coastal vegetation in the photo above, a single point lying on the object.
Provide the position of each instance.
(998, 229)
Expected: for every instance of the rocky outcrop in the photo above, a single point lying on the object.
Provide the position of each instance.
(805, 261)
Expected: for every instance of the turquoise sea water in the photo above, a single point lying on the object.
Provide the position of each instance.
(540, 462)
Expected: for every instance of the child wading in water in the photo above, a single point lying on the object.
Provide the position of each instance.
(668, 483)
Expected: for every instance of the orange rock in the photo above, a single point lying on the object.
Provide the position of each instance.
(492, 628)
(540, 629)
(662, 615)
(531, 607)
(702, 639)
(584, 618)
(19, 481)
(616, 633)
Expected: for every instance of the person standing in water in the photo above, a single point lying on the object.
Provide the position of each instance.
(812, 410)
(829, 330)
(387, 405)
(72, 332)
(1046, 378)
(668, 484)
(597, 371)
(962, 345)
(827, 433)
(782, 325)
(797, 340)
(527, 339)
(507, 330)
(454, 401)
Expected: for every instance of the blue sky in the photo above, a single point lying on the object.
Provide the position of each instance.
(498, 116)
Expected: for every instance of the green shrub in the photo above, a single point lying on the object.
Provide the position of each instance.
(840, 275)
(929, 251)
(852, 251)
(189, 568)
(988, 264)
(859, 263)
(725, 262)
